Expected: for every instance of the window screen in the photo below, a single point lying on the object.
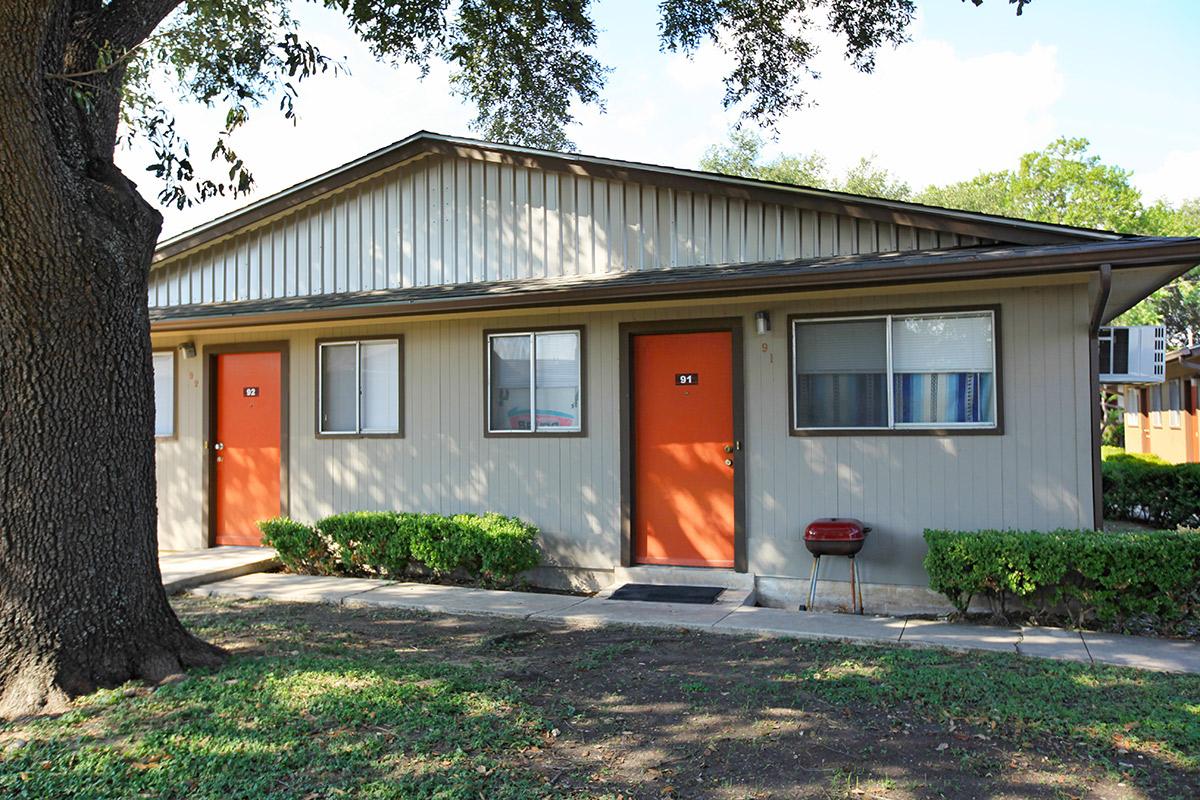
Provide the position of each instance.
(360, 387)
(164, 394)
(943, 370)
(534, 382)
(841, 374)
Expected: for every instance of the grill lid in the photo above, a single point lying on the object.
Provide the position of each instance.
(839, 529)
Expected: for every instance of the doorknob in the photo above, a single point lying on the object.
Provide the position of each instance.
(729, 462)
(218, 446)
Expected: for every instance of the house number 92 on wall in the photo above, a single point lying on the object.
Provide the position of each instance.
(250, 391)
(687, 378)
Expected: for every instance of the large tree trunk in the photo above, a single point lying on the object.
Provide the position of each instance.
(81, 599)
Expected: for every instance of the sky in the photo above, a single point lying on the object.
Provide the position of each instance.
(973, 90)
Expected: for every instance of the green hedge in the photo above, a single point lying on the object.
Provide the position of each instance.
(1151, 576)
(1145, 488)
(491, 548)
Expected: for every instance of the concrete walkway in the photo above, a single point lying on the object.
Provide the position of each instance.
(1165, 655)
(185, 569)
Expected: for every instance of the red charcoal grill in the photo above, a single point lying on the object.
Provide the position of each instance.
(834, 536)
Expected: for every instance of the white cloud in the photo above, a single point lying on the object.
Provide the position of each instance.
(1177, 179)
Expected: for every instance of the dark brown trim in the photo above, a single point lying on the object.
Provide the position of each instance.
(425, 143)
(1096, 415)
(209, 392)
(998, 372)
(823, 276)
(395, 337)
(628, 330)
(174, 351)
(583, 385)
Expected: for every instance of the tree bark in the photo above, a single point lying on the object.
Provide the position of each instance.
(81, 598)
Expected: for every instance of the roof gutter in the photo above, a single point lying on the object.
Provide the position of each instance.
(1097, 418)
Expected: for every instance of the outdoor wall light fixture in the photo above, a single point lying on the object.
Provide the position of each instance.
(762, 322)
(188, 349)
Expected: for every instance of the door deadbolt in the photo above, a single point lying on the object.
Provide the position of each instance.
(218, 446)
(728, 448)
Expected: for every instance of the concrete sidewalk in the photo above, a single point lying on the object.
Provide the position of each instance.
(1165, 655)
(185, 569)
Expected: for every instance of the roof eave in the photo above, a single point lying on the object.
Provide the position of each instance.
(1178, 256)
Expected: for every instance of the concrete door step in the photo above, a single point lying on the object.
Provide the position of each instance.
(185, 570)
(684, 576)
(738, 586)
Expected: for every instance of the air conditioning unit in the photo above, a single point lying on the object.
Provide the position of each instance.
(1133, 355)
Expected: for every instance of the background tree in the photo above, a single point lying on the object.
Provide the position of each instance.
(743, 155)
(81, 603)
(1063, 184)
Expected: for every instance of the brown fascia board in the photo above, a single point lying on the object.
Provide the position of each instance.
(1182, 254)
(966, 223)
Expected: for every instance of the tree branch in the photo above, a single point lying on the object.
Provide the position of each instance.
(128, 23)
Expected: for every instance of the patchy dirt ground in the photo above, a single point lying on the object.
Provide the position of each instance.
(638, 713)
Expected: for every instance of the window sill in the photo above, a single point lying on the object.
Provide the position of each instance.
(397, 435)
(535, 434)
(939, 432)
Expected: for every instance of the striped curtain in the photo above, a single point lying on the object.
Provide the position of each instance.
(943, 397)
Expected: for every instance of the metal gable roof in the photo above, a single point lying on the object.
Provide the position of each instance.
(424, 143)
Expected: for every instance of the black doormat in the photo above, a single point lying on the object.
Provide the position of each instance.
(699, 595)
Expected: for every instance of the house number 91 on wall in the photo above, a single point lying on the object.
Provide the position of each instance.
(687, 378)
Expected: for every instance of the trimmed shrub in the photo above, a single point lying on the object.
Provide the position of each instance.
(444, 545)
(492, 549)
(507, 546)
(300, 548)
(1113, 577)
(368, 542)
(1145, 488)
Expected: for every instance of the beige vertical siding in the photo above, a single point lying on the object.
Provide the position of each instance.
(452, 220)
(1036, 475)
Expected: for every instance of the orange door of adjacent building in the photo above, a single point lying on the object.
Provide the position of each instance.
(247, 445)
(683, 501)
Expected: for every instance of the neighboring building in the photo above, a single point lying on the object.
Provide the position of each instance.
(1162, 418)
(654, 365)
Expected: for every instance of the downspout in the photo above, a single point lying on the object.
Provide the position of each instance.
(1094, 350)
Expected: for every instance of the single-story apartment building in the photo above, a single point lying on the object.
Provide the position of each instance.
(1162, 418)
(654, 365)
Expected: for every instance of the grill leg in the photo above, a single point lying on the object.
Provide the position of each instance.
(855, 589)
(812, 583)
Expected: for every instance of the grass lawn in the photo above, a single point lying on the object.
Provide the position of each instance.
(319, 702)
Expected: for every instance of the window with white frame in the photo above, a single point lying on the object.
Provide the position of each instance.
(1132, 408)
(534, 382)
(359, 387)
(1156, 404)
(1175, 403)
(164, 394)
(895, 371)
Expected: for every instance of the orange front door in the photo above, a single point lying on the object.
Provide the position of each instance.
(246, 448)
(682, 437)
